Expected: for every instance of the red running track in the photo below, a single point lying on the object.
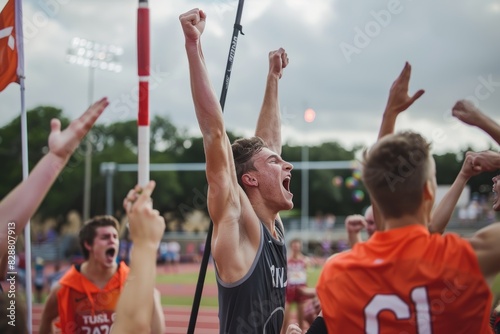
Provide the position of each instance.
(176, 319)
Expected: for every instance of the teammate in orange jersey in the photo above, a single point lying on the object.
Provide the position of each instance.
(405, 279)
(86, 296)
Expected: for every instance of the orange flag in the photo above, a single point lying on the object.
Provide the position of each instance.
(8, 46)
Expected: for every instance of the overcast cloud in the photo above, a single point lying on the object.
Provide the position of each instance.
(344, 56)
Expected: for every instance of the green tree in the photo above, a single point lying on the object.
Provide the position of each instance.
(180, 192)
(61, 197)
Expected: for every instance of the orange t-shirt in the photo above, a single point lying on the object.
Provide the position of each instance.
(83, 307)
(406, 280)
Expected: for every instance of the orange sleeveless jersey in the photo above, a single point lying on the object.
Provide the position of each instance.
(406, 281)
(86, 309)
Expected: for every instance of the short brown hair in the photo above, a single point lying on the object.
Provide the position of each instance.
(243, 151)
(89, 230)
(395, 171)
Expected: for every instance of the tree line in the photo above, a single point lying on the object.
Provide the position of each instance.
(338, 192)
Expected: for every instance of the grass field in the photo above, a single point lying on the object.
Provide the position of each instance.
(192, 278)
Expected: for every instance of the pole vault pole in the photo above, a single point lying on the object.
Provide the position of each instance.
(237, 28)
(143, 67)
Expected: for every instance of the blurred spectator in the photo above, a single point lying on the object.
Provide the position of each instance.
(39, 278)
(326, 246)
(173, 254)
(330, 221)
(53, 278)
(124, 248)
(473, 211)
(319, 221)
(296, 280)
(191, 254)
(50, 232)
(163, 252)
(21, 268)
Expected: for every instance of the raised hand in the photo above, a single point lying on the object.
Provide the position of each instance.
(467, 112)
(469, 168)
(355, 223)
(193, 24)
(399, 100)
(486, 161)
(63, 144)
(278, 60)
(293, 329)
(146, 224)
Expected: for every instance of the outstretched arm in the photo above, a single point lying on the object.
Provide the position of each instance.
(269, 122)
(465, 111)
(22, 202)
(158, 321)
(398, 101)
(442, 213)
(146, 230)
(50, 311)
(220, 168)
(225, 196)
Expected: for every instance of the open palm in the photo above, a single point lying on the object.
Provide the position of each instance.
(64, 143)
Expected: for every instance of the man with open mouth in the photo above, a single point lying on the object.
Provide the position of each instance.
(249, 184)
(85, 298)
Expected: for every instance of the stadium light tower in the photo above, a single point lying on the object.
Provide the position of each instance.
(100, 56)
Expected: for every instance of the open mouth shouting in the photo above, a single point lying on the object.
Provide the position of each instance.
(286, 183)
(111, 254)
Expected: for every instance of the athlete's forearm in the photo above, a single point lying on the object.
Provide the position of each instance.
(135, 307)
(489, 126)
(23, 201)
(269, 122)
(207, 107)
(158, 320)
(354, 238)
(442, 214)
(388, 124)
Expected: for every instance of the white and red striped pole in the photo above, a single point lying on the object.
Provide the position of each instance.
(143, 67)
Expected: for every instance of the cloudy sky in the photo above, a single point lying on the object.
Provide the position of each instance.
(344, 55)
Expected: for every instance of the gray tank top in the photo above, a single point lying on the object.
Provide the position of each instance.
(256, 303)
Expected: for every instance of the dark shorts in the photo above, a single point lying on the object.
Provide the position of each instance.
(294, 293)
